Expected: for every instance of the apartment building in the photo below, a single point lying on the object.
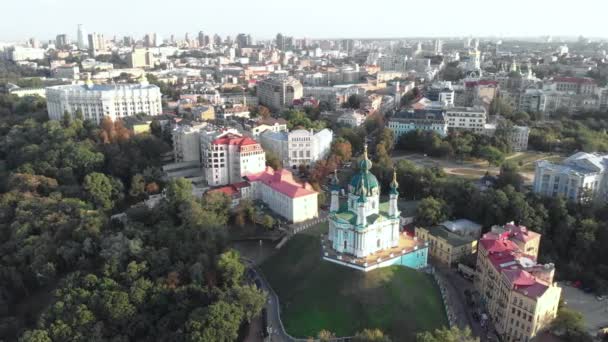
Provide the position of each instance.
(519, 294)
(466, 118)
(423, 120)
(277, 93)
(450, 241)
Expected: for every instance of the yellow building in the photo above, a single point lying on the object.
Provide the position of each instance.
(519, 294)
(203, 113)
(451, 240)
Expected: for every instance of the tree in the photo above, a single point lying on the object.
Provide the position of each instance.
(453, 334)
(138, 187)
(35, 336)
(342, 149)
(102, 190)
(273, 161)
(371, 335)
(230, 267)
(493, 155)
(219, 322)
(570, 324)
(509, 175)
(264, 112)
(250, 299)
(325, 335)
(354, 101)
(267, 221)
(431, 211)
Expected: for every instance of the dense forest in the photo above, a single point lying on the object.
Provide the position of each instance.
(68, 272)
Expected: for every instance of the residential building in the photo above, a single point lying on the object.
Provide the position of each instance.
(442, 93)
(351, 118)
(466, 118)
(450, 241)
(277, 93)
(230, 156)
(97, 44)
(20, 53)
(232, 111)
(579, 176)
(278, 189)
(97, 101)
(423, 120)
(519, 294)
(270, 124)
(68, 71)
(203, 113)
(81, 37)
(363, 232)
(532, 101)
(187, 143)
(518, 137)
(141, 58)
(298, 147)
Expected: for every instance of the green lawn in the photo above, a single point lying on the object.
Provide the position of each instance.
(316, 294)
(527, 160)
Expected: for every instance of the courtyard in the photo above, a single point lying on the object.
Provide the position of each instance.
(317, 294)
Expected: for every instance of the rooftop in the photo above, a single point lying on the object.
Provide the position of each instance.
(282, 181)
(452, 238)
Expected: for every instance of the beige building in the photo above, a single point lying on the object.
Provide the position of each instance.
(451, 241)
(519, 294)
(141, 58)
(277, 93)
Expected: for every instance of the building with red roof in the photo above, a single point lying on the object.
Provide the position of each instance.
(284, 195)
(228, 156)
(518, 292)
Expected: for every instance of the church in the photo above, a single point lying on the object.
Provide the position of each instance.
(363, 232)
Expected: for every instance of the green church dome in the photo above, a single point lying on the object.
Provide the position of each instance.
(364, 179)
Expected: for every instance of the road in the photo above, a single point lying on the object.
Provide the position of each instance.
(273, 310)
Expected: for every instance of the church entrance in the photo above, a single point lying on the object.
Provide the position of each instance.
(344, 244)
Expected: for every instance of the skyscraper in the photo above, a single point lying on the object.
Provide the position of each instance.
(201, 39)
(61, 41)
(97, 44)
(82, 44)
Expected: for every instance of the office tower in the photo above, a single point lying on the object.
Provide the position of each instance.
(61, 41)
(81, 36)
(97, 44)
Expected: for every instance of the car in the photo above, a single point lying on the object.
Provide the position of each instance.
(587, 290)
(600, 298)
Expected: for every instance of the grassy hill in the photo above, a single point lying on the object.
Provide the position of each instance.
(317, 294)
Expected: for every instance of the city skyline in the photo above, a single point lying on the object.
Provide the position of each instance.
(264, 20)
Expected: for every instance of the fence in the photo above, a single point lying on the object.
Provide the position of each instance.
(444, 296)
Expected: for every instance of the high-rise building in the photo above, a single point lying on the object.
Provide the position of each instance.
(141, 58)
(97, 44)
(99, 101)
(519, 294)
(217, 40)
(201, 39)
(81, 34)
(61, 41)
(437, 46)
(242, 40)
(277, 93)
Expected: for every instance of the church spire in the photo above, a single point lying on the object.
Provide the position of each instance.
(365, 164)
(394, 185)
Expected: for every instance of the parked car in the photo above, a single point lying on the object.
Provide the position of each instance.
(600, 298)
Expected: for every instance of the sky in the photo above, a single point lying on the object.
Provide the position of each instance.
(44, 19)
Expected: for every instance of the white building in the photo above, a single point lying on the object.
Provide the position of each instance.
(277, 93)
(351, 118)
(230, 157)
(284, 195)
(364, 225)
(70, 72)
(270, 124)
(20, 53)
(98, 101)
(518, 137)
(579, 175)
(466, 118)
(298, 147)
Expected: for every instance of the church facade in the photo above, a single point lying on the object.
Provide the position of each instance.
(363, 225)
(364, 232)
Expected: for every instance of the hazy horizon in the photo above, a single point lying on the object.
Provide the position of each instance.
(44, 19)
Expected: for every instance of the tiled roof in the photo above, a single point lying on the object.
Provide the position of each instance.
(283, 182)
